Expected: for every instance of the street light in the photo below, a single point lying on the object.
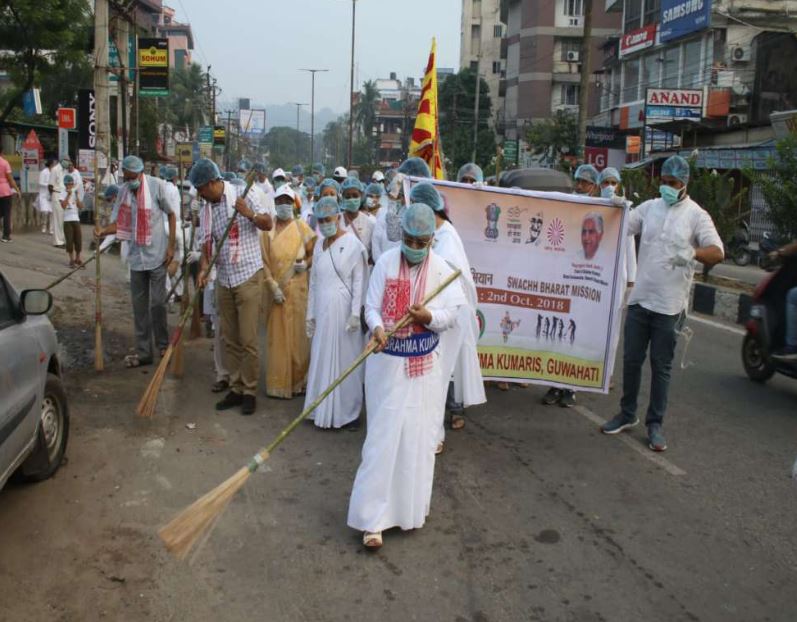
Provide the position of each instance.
(298, 108)
(312, 112)
(351, 80)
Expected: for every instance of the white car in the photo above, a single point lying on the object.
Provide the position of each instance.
(34, 415)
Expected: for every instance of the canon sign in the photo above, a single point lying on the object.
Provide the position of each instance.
(87, 119)
(636, 40)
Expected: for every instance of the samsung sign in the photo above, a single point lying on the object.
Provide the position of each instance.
(682, 17)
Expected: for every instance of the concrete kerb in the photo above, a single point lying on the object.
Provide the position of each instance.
(726, 299)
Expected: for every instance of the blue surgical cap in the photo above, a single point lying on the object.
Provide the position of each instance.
(238, 182)
(110, 192)
(375, 188)
(327, 206)
(415, 167)
(297, 170)
(243, 166)
(678, 167)
(319, 168)
(68, 179)
(426, 193)
(133, 164)
(329, 183)
(204, 171)
(228, 176)
(418, 220)
(309, 183)
(609, 173)
(351, 183)
(470, 170)
(260, 168)
(168, 172)
(587, 172)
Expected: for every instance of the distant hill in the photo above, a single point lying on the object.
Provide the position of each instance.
(285, 115)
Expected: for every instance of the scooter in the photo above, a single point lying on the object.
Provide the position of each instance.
(766, 328)
(738, 246)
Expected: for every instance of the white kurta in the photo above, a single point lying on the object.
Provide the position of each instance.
(459, 345)
(387, 230)
(43, 202)
(332, 301)
(393, 486)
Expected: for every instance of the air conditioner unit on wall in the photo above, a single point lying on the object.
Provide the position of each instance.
(572, 57)
(735, 120)
(740, 53)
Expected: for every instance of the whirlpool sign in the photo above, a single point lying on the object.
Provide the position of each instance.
(682, 17)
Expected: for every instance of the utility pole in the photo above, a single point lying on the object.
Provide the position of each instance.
(123, 45)
(351, 81)
(583, 89)
(298, 143)
(312, 110)
(476, 107)
(229, 138)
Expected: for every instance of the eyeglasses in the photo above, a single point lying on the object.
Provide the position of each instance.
(417, 242)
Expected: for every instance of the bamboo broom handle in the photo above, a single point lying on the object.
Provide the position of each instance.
(60, 279)
(264, 453)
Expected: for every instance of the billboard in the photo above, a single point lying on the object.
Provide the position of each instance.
(668, 104)
(252, 122)
(637, 40)
(86, 119)
(683, 17)
(153, 67)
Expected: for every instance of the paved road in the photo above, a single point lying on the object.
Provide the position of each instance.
(535, 515)
(750, 275)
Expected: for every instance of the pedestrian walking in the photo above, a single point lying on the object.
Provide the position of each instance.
(44, 202)
(675, 232)
(8, 187)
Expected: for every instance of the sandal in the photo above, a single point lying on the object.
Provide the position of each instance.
(133, 360)
(372, 540)
(457, 422)
(439, 449)
(219, 386)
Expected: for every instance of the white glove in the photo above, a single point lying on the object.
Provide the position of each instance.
(618, 200)
(194, 256)
(300, 266)
(353, 323)
(276, 292)
(680, 256)
(309, 328)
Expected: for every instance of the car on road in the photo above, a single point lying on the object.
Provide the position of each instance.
(34, 414)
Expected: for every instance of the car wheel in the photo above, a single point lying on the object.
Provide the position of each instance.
(53, 432)
(758, 366)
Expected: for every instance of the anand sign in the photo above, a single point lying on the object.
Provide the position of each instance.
(667, 104)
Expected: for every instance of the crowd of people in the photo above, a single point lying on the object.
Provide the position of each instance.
(330, 264)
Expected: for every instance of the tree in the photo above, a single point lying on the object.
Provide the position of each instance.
(779, 186)
(456, 99)
(365, 120)
(286, 146)
(187, 101)
(551, 139)
(44, 39)
(335, 136)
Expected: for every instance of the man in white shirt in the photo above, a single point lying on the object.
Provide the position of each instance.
(56, 188)
(78, 178)
(675, 231)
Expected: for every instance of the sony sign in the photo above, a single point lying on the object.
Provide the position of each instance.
(87, 119)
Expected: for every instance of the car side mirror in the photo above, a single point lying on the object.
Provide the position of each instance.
(35, 301)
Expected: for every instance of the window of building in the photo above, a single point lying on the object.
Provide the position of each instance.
(652, 9)
(670, 70)
(474, 66)
(475, 39)
(498, 31)
(606, 90)
(691, 74)
(633, 15)
(574, 8)
(496, 66)
(615, 88)
(569, 95)
(630, 81)
(651, 71)
(568, 47)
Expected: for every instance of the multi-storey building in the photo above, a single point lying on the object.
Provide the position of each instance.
(542, 51)
(481, 39)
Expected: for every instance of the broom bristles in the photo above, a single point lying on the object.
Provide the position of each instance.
(184, 530)
(177, 364)
(146, 407)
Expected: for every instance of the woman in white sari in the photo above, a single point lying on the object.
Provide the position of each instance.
(338, 282)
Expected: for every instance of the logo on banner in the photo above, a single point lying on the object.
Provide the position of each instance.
(556, 233)
(493, 213)
(481, 321)
(535, 229)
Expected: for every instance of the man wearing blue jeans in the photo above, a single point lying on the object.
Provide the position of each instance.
(789, 351)
(675, 231)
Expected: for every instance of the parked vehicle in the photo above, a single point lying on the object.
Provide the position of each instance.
(545, 179)
(766, 328)
(34, 414)
(769, 243)
(738, 247)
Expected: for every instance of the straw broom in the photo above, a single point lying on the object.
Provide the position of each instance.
(185, 529)
(146, 406)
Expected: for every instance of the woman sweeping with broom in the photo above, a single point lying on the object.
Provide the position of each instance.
(393, 486)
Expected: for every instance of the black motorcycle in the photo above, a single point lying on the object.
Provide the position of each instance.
(766, 328)
(738, 247)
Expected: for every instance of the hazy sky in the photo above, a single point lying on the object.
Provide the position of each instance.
(256, 46)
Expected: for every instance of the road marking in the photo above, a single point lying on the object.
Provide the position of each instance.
(642, 450)
(730, 329)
